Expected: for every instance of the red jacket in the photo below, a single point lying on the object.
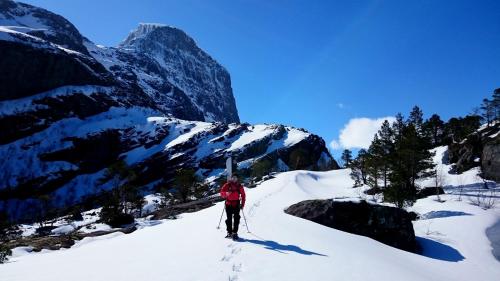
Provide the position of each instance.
(231, 191)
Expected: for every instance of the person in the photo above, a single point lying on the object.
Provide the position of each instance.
(235, 197)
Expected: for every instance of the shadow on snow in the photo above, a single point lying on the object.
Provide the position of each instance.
(443, 214)
(275, 246)
(438, 251)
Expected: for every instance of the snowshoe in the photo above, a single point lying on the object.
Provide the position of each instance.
(229, 235)
(235, 236)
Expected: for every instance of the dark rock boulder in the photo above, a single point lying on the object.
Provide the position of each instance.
(429, 191)
(373, 191)
(490, 159)
(389, 225)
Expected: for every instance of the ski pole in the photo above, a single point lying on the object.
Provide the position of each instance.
(246, 224)
(221, 215)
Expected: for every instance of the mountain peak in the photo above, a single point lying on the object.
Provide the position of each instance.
(144, 30)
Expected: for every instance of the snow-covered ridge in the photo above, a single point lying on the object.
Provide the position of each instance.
(155, 146)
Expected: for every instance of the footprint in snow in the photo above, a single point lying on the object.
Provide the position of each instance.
(226, 258)
(237, 267)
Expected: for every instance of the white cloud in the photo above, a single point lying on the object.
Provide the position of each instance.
(335, 145)
(359, 132)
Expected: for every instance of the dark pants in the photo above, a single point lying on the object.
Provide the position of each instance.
(232, 212)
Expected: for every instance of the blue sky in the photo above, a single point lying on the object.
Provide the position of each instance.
(319, 64)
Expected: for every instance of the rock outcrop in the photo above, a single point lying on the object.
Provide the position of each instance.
(429, 191)
(389, 225)
(481, 148)
(490, 158)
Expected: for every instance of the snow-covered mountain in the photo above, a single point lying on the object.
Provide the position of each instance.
(279, 246)
(156, 66)
(70, 108)
(68, 158)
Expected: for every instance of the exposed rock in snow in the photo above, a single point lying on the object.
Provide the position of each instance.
(389, 225)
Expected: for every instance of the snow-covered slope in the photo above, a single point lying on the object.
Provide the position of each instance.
(279, 246)
(67, 159)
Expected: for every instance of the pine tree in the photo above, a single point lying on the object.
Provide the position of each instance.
(373, 162)
(411, 160)
(386, 136)
(5, 252)
(185, 181)
(359, 168)
(398, 127)
(416, 118)
(496, 103)
(434, 130)
(456, 129)
(346, 158)
(488, 109)
(4, 225)
(123, 198)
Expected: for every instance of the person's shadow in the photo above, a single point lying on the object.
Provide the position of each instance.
(275, 246)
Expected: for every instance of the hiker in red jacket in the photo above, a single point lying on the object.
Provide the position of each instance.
(232, 191)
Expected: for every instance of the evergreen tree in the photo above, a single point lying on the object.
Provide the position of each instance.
(386, 135)
(373, 162)
(496, 103)
(5, 252)
(185, 181)
(346, 158)
(416, 118)
(4, 225)
(359, 168)
(124, 196)
(434, 130)
(356, 174)
(398, 127)
(459, 128)
(411, 160)
(488, 109)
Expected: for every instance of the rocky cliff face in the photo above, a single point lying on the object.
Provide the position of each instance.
(156, 66)
(490, 158)
(481, 148)
(206, 83)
